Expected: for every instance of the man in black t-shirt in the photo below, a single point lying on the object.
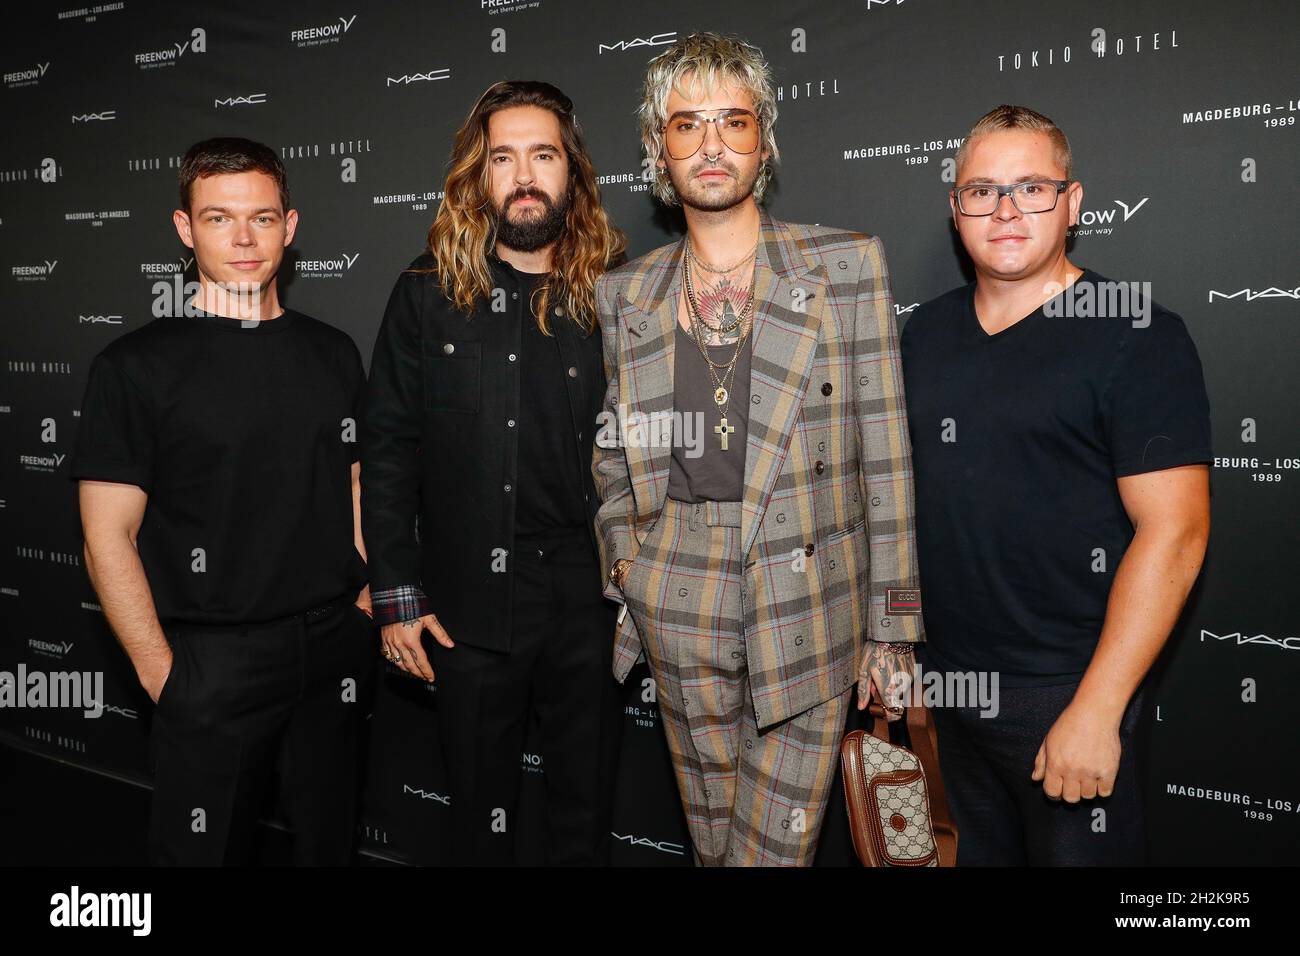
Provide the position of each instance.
(1060, 429)
(217, 457)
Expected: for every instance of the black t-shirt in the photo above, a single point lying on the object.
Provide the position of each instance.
(1018, 439)
(713, 474)
(243, 436)
(550, 502)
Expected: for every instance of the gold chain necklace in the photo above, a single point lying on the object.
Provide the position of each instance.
(721, 394)
(718, 270)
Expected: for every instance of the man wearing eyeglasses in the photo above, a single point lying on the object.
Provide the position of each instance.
(756, 515)
(1061, 434)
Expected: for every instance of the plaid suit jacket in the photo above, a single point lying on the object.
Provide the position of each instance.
(827, 513)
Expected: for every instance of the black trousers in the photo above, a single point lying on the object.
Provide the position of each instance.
(1003, 817)
(242, 702)
(557, 670)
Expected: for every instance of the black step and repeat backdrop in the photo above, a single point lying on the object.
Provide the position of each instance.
(1183, 117)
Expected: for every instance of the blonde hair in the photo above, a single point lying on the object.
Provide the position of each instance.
(1020, 117)
(710, 61)
(464, 229)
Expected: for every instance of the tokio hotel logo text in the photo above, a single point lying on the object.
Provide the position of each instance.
(325, 268)
(317, 36)
(252, 99)
(1283, 643)
(659, 39)
(30, 77)
(1100, 45)
(170, 56)
(406, 79)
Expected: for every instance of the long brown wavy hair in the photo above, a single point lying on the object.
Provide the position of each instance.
(464, 230)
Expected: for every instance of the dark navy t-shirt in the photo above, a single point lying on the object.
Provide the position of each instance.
(1018, 439)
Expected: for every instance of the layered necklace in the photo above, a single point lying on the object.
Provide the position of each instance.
(723, 375)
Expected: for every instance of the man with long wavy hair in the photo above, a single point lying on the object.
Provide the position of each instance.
(486, 377)
(765, 555)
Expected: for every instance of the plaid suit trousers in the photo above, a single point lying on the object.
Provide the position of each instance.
(751, 798)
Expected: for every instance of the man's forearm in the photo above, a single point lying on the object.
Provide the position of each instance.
(1151, 584)
(119, 580)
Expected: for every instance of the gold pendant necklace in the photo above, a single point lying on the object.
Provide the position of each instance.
(721, 395)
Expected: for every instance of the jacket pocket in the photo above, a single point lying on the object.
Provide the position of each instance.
(452, 372)
(840, 535)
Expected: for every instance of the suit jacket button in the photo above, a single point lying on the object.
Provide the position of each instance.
(448, 348)
(819, 467)
(808, 550)
(573, 371)
(826, 388)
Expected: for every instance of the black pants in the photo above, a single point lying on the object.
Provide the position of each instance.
(559, 670)
(240, 703)
(1003, 817)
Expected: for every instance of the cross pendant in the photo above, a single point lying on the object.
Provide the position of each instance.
(723, 430)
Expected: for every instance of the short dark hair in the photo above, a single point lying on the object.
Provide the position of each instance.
(231, 154)
(1007, 116)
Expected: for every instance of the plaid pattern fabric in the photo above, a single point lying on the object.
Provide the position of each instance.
(751, 797)
(400, 604)
(827, 523)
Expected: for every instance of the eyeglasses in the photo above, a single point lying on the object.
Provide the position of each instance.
(738, 129)
(1039, 195)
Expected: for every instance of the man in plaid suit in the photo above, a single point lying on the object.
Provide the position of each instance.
(754, 470)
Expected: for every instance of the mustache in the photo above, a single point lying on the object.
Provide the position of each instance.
(720, 165)
(527, 194)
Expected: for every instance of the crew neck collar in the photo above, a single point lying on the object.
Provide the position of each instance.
(261, 327)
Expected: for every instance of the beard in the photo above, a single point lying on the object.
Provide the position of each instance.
(718, 196)
(538, 226)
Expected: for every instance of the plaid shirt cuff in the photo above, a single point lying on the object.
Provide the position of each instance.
(400, 604)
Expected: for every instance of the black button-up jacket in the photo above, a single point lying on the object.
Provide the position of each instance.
(439, 446)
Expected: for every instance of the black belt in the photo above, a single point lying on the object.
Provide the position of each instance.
(311, 616)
